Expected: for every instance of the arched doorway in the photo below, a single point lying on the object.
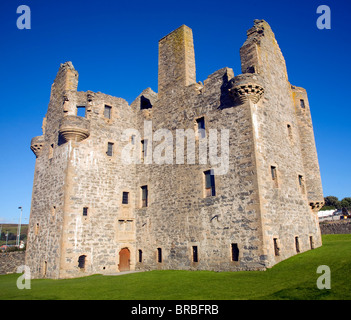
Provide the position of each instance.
(124, 260)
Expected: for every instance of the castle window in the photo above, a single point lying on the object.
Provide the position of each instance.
(81, 262)
(195, 255)
(210, 189)
(302, 103)
(276, 248)
(301, 183)
(145, 103)
(85, 211)
(297, 245)
(51, 151)
(235, 252)
(81, 111)
(140, 255)
(201, 130)
(144, 196)
(274, 175)
(107, 112)
(159, 255)
(109, 151)
(36, 230)
(143, 149)
(125, 197)
(289, 129)
(311, 242)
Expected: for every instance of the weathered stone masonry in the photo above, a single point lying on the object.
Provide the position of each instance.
(93, 213)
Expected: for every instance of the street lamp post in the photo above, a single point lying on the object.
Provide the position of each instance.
(19, 229)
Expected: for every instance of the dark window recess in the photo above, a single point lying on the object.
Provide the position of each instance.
(109, 151)
(143, 149)
(210, 189)
(201, 127)
(125, 197)
(140, 255)
(159, 255)
(276, 248)
(85, 211)
(302, 103)
(311, 242)
(300, 181)
(195, 255)
(297, 245)
(274, 173)
(145, 103)
(81, 262)
(81, 111)
(144, 196)
(107, 112)
(235, 252)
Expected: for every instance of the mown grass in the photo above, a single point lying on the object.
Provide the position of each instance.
(292, 279)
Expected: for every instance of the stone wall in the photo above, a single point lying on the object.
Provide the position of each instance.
(10, 261)
(336, 227)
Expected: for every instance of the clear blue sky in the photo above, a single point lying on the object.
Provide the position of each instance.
(114, 47)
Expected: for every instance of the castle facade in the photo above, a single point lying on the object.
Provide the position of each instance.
(221, 175)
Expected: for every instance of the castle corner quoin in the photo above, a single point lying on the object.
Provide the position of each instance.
(94, 213)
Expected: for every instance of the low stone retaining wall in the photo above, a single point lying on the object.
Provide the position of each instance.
(336, 227)
(10, 261)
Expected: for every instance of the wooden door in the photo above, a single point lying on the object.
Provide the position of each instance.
(124, 260)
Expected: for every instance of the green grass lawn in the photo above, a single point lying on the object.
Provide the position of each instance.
(294, 278)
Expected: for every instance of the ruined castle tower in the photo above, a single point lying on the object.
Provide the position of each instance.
(170, 207)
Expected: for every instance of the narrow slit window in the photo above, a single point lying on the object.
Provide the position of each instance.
(36, 231)
(107, 112)
(297, 245)
(289, 129)
(276, 248)
(274, 172)
(195, 254)
(301, 183)
(159, 255)
(302, 104)
(109, 151)
(311, 242)
(210, 188)
(125, 197)
(235, 252)
(85, 211)
(140, 256)
(144, 149)
(201, 130)
(51, 151)
(144, 196)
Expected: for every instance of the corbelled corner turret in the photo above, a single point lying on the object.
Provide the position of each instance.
(116, 187)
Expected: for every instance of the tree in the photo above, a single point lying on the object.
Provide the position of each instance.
(332, 201)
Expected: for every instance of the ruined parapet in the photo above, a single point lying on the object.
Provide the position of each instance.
(176, 61)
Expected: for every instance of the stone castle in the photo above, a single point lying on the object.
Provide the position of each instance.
(94, 212)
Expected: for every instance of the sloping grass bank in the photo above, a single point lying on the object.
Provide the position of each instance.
(294, 278)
